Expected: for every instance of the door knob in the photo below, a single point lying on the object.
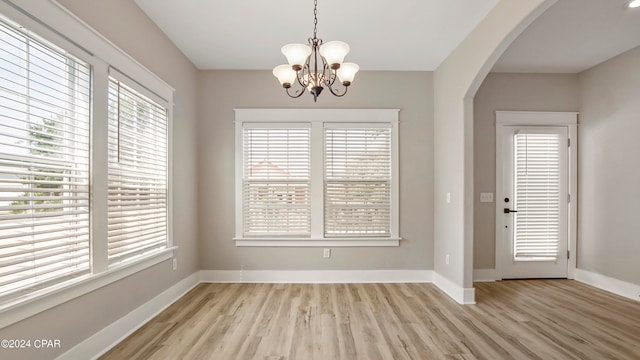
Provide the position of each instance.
(506, 210)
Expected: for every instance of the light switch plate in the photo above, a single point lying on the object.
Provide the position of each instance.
(486, 197)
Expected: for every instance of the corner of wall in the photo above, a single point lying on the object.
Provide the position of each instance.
(461, 295)
(618, 287)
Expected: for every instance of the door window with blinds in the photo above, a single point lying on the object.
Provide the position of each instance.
(67, 119)
(310, 177)
(44, 163)
(538, 188)
(137, 173)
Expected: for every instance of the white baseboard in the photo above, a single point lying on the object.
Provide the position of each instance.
(484, 275)
(460, 295)
(316, 276)
(464, 296)
(619, 287)
(100, 342)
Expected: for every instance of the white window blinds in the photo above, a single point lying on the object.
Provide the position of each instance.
(537, 189)
(357, 194)
(276, 181)
(137, 173)
(44, 163)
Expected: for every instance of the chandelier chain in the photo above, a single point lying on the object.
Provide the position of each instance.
(315, 18)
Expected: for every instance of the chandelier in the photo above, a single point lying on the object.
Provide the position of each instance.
(316, 65)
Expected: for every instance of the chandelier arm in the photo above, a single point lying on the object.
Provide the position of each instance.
(300, 91)
(299, 77)
(297, 94)
(336, 93)
(300, 74)
(333, 74)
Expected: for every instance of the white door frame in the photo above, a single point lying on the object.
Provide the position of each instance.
(540, 118)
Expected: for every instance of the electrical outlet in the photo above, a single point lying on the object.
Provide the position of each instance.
(446, 259)
(486, 197)
(326, 253)
(175, 263)
(448, 198)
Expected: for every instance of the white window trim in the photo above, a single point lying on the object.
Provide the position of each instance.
(58, 25)
(317, 118)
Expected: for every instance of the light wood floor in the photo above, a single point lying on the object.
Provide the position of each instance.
(526, 319)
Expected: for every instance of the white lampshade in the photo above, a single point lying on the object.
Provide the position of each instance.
(634, 4)
(285, 74)
(296, 54)
(334, 51)
(347, 72)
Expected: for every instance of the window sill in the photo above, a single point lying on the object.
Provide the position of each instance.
(307, 242)
(45, 299)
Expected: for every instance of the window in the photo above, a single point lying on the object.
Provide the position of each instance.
(276, 188)
(316, 177)
(44, 164)
(137, 174)
(357, 182)
(538, 188)
(84, 162)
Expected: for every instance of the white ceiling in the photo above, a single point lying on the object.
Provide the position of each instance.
(571, 36)
(383, 34)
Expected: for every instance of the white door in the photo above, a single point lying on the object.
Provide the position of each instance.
(532, 201)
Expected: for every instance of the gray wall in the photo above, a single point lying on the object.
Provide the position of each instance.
(122, 22)
(507, 91)
(456, 82)
(219, 92)
(607, 97)
(609, 175)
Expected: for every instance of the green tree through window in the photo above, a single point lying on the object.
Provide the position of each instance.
(44, 141)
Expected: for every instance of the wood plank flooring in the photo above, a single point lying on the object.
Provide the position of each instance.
(524, 319)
